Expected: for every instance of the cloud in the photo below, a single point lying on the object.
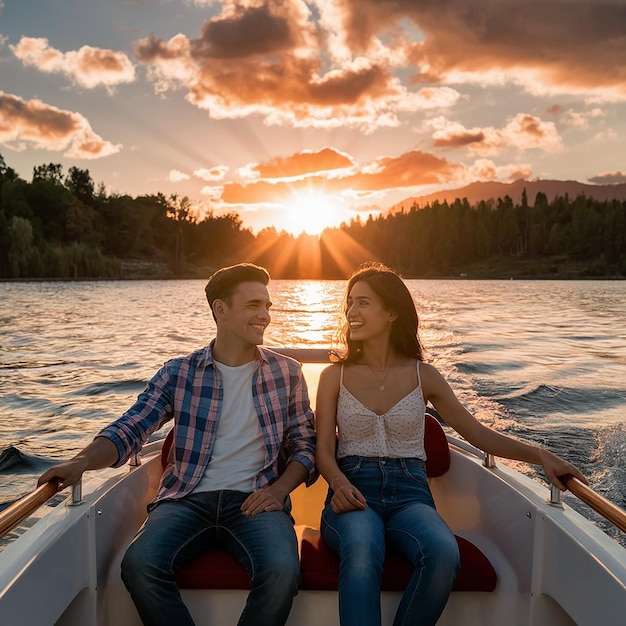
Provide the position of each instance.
(271, 60)
(516, 172)
(412, 169)
(175, 176)
(546, 45)
(244, 31)
(521, 132)
(485, 170)
(345, 63)
(88, 67)
(609, 178)
(300, 164)
(214, 174)
(50, 128)
(525, 131)
(170, 65)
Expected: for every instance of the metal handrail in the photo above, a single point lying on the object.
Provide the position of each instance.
(25, 506)
(598, 503)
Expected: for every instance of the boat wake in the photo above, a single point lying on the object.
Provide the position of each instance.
(610, 455)
(23, 470)
(12, 458)
(546, 398)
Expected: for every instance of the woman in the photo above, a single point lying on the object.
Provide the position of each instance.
(375, 398)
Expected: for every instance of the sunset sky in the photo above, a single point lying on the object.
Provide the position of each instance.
(305, 114)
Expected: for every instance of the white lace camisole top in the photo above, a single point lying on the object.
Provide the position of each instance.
(397, 433)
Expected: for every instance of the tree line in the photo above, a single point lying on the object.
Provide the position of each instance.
(63, 225)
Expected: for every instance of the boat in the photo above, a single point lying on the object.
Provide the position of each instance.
(528, 559)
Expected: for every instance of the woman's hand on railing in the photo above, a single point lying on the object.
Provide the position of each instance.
(557, 468)
(607, 509)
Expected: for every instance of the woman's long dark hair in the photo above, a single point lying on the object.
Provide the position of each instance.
(390, 288)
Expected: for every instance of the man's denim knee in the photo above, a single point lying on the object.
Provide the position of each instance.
(133, 566)
(282, 571)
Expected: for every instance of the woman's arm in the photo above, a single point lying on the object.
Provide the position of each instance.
(441, 396)
(346, 497)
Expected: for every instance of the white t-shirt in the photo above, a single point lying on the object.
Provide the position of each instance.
(238, 453)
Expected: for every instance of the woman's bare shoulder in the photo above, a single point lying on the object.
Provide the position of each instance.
(331, 374)
(430, 375)
(428, 369)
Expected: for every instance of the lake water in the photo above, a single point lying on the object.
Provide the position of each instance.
(541, 360)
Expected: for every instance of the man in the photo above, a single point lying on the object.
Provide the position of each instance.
(243, 440)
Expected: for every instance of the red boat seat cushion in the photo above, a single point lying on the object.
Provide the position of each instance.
(437, 448)
(320, 567)
(216, 569)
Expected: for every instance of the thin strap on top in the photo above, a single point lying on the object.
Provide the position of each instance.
(417, 365)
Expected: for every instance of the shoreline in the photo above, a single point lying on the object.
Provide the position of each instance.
(503, 268)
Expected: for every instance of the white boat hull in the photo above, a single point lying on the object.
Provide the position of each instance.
(553, 566)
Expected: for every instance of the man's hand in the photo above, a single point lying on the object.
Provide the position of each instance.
(268, 499)
(66, 474)
(101, 452)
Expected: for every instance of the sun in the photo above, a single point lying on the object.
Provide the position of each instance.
(311, 212)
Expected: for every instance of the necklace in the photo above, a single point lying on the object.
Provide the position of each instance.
(381, 381)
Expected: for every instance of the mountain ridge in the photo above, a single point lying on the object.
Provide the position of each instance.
(492, 190)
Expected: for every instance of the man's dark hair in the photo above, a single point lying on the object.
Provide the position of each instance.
(223, 283)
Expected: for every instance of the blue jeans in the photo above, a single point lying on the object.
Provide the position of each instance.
(401, 516)
(177, 531)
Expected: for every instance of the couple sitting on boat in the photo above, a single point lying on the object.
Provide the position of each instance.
(244, 438)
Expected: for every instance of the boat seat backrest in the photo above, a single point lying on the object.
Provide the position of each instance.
(436, 446)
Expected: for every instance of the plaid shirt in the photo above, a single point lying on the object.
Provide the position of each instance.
(189, 390)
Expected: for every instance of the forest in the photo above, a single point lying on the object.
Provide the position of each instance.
(63, 226)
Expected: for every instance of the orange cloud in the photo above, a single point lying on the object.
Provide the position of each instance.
(269, 59)
(241, 31)
(411, 169)
(522, 132)
(567, 47)
(215, 173)
(88, 67)
(517, 172)
(484, 169)
(301, 163)
(408, 170)
(526, 131)
(50, 128)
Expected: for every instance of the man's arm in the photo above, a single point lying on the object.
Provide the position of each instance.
(300, 436)
(101, 452)
(151, 409)
(299, 446)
